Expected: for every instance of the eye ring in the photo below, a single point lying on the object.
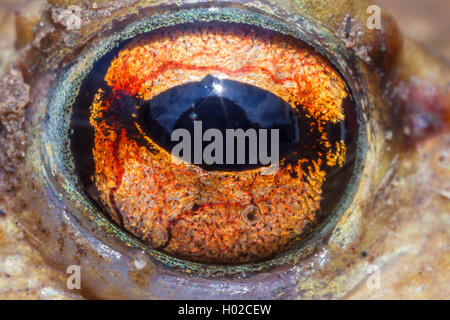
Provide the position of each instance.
(55, 154)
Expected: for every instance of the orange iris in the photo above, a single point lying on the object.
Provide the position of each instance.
(215, 216)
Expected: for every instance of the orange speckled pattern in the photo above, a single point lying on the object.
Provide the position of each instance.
(211, 216)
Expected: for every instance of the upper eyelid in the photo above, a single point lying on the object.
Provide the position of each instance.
(386, 41)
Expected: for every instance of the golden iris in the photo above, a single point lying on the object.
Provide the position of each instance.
(213, 216)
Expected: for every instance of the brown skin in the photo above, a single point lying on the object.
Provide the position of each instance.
(401, 226)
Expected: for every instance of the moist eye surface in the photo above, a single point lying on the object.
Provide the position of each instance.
(222, 77)
(219, 105)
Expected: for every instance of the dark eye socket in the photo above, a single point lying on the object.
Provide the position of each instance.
(140, 93)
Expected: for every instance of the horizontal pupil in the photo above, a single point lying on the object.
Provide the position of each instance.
(229, 107)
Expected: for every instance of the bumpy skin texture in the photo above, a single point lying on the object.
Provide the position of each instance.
(400, 219)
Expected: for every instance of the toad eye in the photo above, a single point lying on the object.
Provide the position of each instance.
(265, 126)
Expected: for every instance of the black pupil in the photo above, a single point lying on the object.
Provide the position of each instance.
(221, 104)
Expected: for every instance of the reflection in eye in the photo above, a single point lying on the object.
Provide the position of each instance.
(228, 76)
